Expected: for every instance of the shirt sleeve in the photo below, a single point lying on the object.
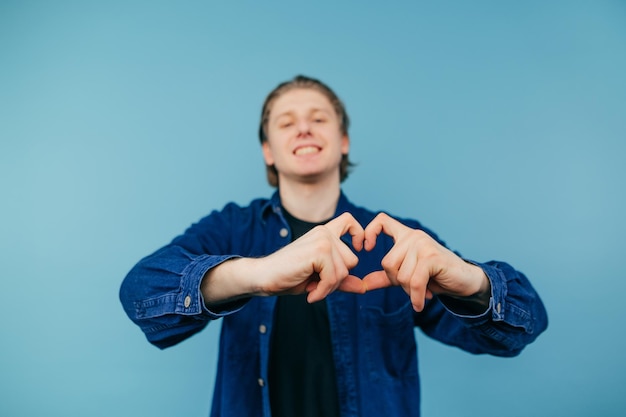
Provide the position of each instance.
(514, 318)
(161, 294)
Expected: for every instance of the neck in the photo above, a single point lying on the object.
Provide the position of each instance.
(313, 203)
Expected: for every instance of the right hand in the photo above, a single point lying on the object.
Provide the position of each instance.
(318, 262)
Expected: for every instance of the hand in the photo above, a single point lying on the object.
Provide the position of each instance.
(422, 266)
(318, 262)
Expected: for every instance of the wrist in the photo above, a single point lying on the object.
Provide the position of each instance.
(481, 295)
(477, 296)
(231, 280)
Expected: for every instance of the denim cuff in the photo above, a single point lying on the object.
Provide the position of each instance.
(190, 300)
(495, 309)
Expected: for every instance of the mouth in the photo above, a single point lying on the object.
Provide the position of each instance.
(306, 150)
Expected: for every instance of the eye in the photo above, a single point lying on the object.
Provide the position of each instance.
(319, 117)
(284, 125)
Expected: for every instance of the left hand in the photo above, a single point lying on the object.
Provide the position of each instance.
(422, 266)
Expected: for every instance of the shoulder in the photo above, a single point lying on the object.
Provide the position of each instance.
(256, 205)
(236, 213)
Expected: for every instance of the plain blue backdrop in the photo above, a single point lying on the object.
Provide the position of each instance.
(501, 125)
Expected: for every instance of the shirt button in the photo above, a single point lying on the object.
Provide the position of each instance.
(262, 329)
(187, 301)
(261, 382)
(283, 232)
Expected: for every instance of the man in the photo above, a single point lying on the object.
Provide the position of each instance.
(319, 297)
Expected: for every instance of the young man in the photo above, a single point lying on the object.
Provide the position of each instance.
(319, 297)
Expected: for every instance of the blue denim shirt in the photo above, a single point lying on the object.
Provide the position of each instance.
(373, 340)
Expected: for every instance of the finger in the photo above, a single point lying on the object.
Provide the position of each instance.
(376, 280)
(382, 223)
(345, 260)
(311, 286)
(392, 262)
(346, 223)
(353, 284)
(406, 272)
(418, 285)
(332, 270)
(429, 294)
(321, 290)
(333, 278)
(404, 262)
(371, 232)
(348, 258)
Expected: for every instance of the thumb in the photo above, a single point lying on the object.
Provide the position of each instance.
(353, 284)
(376, 280)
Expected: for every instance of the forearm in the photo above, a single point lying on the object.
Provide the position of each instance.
(230, 281)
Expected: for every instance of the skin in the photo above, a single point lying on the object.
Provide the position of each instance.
(305, 144)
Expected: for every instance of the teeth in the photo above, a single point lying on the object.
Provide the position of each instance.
(306, 150)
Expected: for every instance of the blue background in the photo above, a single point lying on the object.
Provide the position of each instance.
(501, 125)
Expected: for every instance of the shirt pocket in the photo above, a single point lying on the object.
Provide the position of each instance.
(389, 342)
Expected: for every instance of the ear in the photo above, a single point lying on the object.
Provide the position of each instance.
(345, 145)
(267, 153)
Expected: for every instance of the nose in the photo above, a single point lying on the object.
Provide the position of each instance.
(304, 127)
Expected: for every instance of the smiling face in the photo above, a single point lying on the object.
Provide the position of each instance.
(305, 142)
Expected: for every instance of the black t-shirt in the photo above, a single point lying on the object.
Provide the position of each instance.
(302, 380)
